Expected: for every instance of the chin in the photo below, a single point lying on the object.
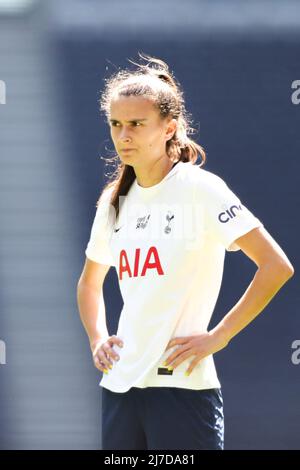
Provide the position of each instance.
(126, 160)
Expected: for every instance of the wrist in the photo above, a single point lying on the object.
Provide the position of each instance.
(95, 340)
(221, 333)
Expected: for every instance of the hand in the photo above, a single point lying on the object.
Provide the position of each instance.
(201, 345)
(103, 351)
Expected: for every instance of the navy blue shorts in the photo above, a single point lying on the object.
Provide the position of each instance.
(162, 418)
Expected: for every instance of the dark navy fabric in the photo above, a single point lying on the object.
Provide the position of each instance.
(162, 418)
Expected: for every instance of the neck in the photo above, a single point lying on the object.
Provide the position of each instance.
(152, 174)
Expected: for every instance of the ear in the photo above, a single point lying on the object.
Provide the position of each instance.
(171, 129)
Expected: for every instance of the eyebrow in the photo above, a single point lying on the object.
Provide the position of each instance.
(132, 120)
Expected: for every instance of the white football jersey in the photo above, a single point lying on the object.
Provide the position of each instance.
(168, 247)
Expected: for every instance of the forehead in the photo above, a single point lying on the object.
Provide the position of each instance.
(126, 108)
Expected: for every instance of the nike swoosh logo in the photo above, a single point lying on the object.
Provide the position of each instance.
(117, 229)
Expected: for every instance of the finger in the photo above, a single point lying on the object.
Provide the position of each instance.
(170, 344)
(102, 356)
(192, 365)
(110, 352)
(115, 340)
(181, 358)
(99, 365)
(179, 340)
(175, 355)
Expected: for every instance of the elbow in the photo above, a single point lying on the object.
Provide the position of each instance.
(290, 271)
(287, 269)
(283, 270)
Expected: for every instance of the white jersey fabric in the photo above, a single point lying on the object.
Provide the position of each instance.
(168, 247)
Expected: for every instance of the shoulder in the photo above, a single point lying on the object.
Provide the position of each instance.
(202, 179)
(106, 194)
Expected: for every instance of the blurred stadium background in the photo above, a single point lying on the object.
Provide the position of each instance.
(236, 62)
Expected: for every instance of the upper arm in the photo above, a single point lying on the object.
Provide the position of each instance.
(261, 248)
(93, 274)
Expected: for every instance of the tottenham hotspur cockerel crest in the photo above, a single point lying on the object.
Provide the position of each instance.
(169, 217)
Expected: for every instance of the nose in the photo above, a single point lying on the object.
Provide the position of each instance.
(124, 137)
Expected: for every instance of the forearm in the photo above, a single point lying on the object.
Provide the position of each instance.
(92, 312)
(265, 284)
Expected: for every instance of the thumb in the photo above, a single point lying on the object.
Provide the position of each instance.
(115, 340)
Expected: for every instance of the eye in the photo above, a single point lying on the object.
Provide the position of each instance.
(134, 123)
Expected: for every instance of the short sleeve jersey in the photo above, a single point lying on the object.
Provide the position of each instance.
(168, 247)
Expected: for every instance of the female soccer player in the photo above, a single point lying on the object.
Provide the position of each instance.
(165, 223)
